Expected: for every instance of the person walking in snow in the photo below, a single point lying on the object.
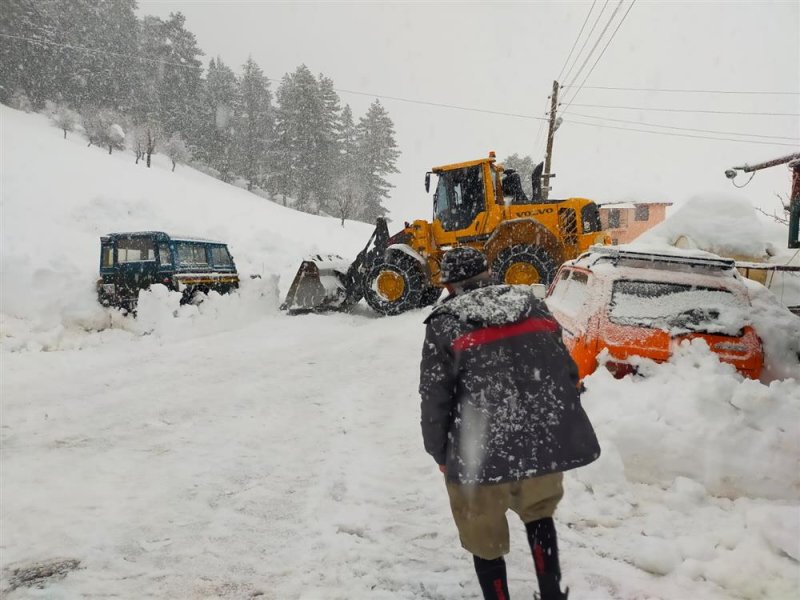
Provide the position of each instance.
(501, 416)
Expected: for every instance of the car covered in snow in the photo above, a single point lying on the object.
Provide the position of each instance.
(639, 304)
(134, 261)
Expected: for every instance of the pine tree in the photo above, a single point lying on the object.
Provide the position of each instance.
(220, 100)
(299, 118)
(169, 86)
(26, 64)
(254, 125)
(327, 156)
(378, 155)
(348, 182)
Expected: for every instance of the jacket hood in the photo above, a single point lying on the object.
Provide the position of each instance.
(491, 305)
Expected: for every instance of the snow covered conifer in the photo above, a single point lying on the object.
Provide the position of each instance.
(298, 121)
(220, 100)
(378, 154)
(254, 125)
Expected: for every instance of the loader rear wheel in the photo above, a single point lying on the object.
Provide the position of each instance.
(394, 285)
(524, 264)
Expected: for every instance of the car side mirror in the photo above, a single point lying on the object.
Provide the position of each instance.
(427, 182)
(539, 290)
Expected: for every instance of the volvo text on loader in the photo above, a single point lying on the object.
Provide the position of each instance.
(475, 203)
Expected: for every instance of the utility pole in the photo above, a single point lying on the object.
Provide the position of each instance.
(548, 158)
(793, 160)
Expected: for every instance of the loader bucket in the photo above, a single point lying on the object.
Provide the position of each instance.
(320, 284)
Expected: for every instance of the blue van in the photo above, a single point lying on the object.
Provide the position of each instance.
(130, 262)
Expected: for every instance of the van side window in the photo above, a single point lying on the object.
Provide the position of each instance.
(164, 254)
(220, 256)
(192, 254)
(107, 259)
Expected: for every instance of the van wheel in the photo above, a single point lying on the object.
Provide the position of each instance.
(524, 264)
(394, 285)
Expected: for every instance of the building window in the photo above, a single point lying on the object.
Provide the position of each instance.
(613, 218)
(642, 212)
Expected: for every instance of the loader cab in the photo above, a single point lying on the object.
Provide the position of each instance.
(460, 196)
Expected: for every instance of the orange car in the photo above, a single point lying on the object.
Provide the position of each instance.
(641, 304)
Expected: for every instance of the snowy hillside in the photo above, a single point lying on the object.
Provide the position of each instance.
(59, 197)
(231, 451)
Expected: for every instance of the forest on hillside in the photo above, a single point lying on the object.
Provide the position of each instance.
(140, 84)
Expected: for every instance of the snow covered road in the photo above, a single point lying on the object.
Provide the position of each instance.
(284, 459)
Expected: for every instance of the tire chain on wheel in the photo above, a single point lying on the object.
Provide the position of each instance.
(414, 284)
(536, 256)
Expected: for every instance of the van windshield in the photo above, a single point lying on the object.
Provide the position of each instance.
(678, 308)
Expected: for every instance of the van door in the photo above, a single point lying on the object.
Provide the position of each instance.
(135, 260)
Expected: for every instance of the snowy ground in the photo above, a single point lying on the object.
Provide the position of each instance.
(231, 451)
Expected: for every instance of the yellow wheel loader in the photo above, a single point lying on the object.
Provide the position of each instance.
(476, 203)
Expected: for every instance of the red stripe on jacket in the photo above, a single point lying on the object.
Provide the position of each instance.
(492, 334)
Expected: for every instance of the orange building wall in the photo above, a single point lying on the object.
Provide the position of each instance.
(629, 228)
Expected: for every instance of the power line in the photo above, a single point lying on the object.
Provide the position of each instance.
(596, 43)
(684, 135)
(687, 91)
(575, 43)
(586, 41)
(608, 43)
(442, 105)
(758, 135)
(691, 110)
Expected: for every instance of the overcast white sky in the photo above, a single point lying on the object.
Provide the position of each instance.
(504, 57)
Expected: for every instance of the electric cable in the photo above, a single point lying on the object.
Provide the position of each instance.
(596, 43)
(691, 110)
(575, 43)
(684, 135)
(642, 123)
(608, 43)
(586, 41)
(688, 91)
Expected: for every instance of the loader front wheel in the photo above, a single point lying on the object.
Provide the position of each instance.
(394, 285)
(524, 264)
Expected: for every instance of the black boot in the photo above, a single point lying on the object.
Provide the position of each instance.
(492, 577)
(544, 547)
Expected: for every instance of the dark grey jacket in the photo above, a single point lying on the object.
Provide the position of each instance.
(500, 399)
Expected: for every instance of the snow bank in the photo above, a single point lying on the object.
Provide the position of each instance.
(699, 419)
(59, 197)
(716, 223)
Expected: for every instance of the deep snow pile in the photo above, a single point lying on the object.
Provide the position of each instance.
(729, 226)
(227, 450)
(59, 197)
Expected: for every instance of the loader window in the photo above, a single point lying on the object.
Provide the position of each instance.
(459, 197)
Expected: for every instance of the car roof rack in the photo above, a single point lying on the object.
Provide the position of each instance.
(616, 255)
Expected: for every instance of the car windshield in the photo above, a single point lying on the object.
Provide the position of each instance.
(678, 308)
